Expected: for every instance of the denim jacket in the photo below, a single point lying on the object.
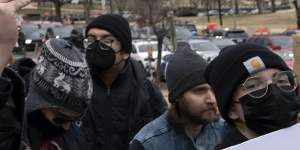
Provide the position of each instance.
(159, 134)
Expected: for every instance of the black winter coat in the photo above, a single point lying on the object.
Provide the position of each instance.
(118, 113)
(232, 137)
(11, 109)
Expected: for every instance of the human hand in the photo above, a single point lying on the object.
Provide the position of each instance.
(8, 28)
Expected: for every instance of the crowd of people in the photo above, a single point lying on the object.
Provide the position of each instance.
(100, 99)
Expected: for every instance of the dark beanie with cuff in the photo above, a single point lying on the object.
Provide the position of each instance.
(233, 65)
(184, 71)
(116, 25)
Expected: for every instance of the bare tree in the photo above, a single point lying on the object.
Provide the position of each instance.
(155, 13)
(236, 7)
(259, 6)
(273, 4)
(57, 4)
(87, 10)
(296, 4)
(121, 5)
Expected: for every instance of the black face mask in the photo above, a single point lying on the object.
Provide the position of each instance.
(100, 57)
(44, 126)
(274, 111)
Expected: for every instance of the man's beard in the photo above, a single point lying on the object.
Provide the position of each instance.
(200, 118)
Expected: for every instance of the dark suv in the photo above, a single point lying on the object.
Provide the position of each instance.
(236, 35)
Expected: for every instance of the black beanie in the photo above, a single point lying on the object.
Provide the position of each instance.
(184, 71)
(116, 25)
(233, 65)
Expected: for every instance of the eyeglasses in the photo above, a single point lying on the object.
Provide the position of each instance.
(91, 39)
(257, 87)
(62, 119)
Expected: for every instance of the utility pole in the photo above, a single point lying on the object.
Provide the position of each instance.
(207, 11)
(220, 13)
(87, 11)
(111, 6)
(173, 30)
(295, 2)
(236, 7)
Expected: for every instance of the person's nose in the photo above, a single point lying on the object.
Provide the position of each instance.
(210, 99)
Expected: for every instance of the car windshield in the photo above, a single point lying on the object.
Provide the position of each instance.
(203, 46)
(286, 55)
(183, 33)
(37, 34)
(145, 47)
(27, 29)
(190, 27)
(63, 32)
(282, 42)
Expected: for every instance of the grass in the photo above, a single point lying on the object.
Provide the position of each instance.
(276, 22)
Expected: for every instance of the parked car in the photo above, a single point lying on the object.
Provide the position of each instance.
(254, 11)
(142, 48)
(214, 12)
(191, 27)
(182, 33)
(222, 43)
(38, 36)
(240, 11)
(273, 42)
(287, 56)
(204, 48)
(186, 11)
(28, 28)
(291, 32)
(236, 35)
(63, 32)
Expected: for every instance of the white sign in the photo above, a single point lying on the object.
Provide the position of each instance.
(284, 139)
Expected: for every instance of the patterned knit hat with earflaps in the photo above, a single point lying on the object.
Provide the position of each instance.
(61, 78)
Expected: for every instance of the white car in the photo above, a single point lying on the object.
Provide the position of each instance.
(141, 48)
(204, 48)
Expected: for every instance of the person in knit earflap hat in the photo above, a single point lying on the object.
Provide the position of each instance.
(193, 115)
(59, 93)
(255, 91)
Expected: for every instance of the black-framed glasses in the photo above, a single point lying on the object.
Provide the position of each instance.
(284, 80)
(62, 119)
(91, 39)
